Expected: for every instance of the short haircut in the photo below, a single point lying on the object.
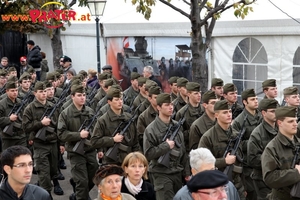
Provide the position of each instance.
(200, 156)
(134, 157)
(149, 69)
(4, 58)
(8, 155)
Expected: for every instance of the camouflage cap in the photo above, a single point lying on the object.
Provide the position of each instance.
(229, 87)
(39, 86)
(163, 98)
(51, 76)
(104, 76)
(221, 105)
(134, 75)
(12, 78)
(11, 85)
(154, 90)
(30, 70)
(12, 69)
(248, 93)
(114, 92)
(48, 84)
(3, 72)
(181, 82)
(77, 89)
(192, 86)
(142, 81)
(208, 96)
(265, 104)
(217, 82)
(173, 79)
(150, 83)
(269, 83)
(25, 76)
(109, 82)
(290, 91)
(286, 111)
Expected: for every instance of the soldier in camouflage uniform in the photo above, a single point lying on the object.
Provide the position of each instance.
(205, 122)
(173, 85)
(132, 92)
(216, 140)
(254, 118)
(217, 86)
(230, 94)
(167, 180)
(277, 158)
(182, 98)
(191, 111)
(258, 140)
(70, 121)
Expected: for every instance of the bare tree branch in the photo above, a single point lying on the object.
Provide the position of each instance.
(73, 2)
(188, 3)
(175, 8)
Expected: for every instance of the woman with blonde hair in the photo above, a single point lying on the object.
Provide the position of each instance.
(135, 166)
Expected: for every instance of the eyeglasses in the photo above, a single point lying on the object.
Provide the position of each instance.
(23, 165)
(216, 192)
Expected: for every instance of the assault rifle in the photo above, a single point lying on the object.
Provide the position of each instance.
(171, 134)
(91, 95)
(112, 152)
(174, 112)
(295, 191)
(86, 125)
(2, 90)
(16, 110)
(233, 151)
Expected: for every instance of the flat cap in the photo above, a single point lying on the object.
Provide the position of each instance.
(31, 42)
(149, 84)
(114, 92)
(286, 111)
(173, 79)
(217, 82)
(207, 180)
(229, 87)
(104, 76)
(105, 171)
(181, 82)
(208, 96)
(221, 105)
(154, 90)
(163, 98)
(269, 83)
(265, 104)
(39, 86)
(77, 88)
(193, 86)
(134, 75)
(107, 67)
(67, 59)
(248, 93)
(11, 85)
(290, 91)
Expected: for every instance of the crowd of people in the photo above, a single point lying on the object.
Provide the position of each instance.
(142, 143)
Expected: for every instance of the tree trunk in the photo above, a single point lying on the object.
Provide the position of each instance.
(56, 47)
(199, 63)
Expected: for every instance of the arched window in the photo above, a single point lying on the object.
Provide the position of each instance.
(249, 66)
(296, 69)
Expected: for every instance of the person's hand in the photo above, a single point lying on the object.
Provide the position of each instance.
(298, 168)
(13, 117)
(46, 121)
(84, 133)
(100, 155)
(118, 138)
(187, 178)
(30, 142)
(230, 159)
(171, 143)
(62, 149)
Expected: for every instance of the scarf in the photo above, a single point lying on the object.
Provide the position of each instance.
(133, 189)
(109, 198)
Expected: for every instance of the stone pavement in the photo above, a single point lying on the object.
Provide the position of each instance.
(65, 185)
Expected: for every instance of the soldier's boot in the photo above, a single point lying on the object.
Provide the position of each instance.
(72, 197)
(60, 175)
(57, 189)
(72, 182)
(62, 164)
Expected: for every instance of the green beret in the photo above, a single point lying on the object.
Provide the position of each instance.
(229, 87)
(163, 98)
(51, 76)
(75, 82)
(77, 88)
(39, 86)
(142, 81)
(208, 179)
(269, 83)
(181, 82)
(193, 86)
(104, 76)
(290, 91)
(216, 82)
(209, 95)
(12, 78)
(48, 84)
(134, 75)
(30, 70)
(61, 71)
(173, 79)
(109, 82)
(154, 90)
(114, 92)
(3, 72)
(248, 93)
(265, 104)
(221, 105)
(25, 76)
(286, 111)
(149, 84)
(11, 85)
(12, 69)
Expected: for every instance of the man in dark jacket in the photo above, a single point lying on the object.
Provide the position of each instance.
(17, 165)
(34, 57)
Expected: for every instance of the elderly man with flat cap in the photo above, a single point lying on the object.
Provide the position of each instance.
(279, 171)
(258, 141)
(216, 140)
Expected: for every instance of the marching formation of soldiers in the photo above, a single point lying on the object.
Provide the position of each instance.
(255, 144)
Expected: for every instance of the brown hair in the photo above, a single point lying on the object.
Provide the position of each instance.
(43, 54)
(135, 157)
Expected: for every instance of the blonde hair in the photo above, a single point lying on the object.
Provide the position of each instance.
(92, 72)
(136, 157)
